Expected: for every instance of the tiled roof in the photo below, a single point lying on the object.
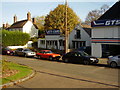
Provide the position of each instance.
(18, 24)
(112, 13)
(85, 26)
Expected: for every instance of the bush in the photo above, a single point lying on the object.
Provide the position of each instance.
(14, 38)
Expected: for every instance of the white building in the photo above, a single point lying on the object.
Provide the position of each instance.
(80, 36)
(106, 32)
(54, 40)
(26, 26)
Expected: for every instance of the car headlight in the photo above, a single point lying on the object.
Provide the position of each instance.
(54, 56)
(92, 59)
(8, 51)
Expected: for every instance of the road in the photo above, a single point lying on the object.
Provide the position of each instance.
(53, 74)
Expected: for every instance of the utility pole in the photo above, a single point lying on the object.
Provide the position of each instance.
(66, 30)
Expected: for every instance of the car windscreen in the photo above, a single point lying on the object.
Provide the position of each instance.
(27, 50)
(83, 54)
(48, 52)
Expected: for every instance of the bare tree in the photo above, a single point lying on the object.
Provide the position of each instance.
(95, 14)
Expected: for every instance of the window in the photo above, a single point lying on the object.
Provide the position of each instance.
(42, 41)
(78, 34)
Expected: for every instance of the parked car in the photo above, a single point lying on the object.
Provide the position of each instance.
(79, 57)
(7, 51)
(24, 52)
(114, 61)
(48, 54)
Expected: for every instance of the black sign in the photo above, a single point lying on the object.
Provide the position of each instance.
(105, 23)
(53, 32)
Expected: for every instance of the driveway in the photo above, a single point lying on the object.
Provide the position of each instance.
(53, 74)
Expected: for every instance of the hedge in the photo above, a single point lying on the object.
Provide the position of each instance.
(14, 38)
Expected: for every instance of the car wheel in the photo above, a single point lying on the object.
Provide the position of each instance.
(113, 64)
(39, 57)
(25, 55)
(86, 62)
(11, 54)
(66, 60)
(50, 58)
(15, 54)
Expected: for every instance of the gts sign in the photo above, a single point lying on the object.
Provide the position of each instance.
(105, 23)
(112, 22)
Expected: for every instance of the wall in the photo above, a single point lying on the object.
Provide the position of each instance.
(106, 32)
(29, 28)
(41, 45)
(84, 36)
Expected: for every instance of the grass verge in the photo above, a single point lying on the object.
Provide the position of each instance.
(23, 72)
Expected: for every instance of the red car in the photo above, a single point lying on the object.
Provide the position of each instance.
(48, 54)
(7, 51)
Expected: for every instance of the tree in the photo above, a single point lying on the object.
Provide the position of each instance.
(95, 14)
(56, 19)
(40, 20)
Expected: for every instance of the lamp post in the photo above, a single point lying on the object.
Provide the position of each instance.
(66, 30)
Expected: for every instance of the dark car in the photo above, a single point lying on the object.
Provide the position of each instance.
(79, 57)
(7, 51)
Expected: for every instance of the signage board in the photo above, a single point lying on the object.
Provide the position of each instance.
(53, 32)
(105, 23)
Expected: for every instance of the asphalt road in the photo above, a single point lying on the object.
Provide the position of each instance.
(53, 74)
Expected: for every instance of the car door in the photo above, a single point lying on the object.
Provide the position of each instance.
(22, 52)
(46, 55)
(76, 57)
(19, 50)
(41, 53)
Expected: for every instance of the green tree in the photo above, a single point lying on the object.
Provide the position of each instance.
(56, 19)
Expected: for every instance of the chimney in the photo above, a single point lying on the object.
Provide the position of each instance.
(7, 25)
(4, 26)
(34, 20)
(15, 18)
(29, 16)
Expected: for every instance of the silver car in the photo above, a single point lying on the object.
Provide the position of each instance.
(114, 61)
(24, 52)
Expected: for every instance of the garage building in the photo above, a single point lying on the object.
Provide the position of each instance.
(106, 32)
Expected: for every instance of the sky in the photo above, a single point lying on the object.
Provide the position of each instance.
(42, 8)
